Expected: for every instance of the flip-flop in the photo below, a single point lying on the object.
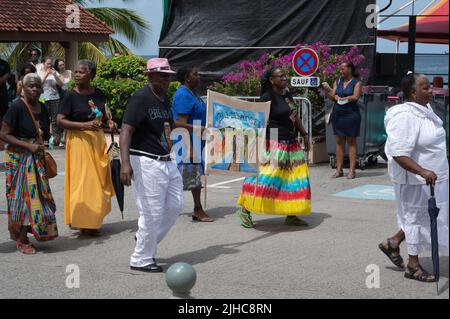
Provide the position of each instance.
(245, 219)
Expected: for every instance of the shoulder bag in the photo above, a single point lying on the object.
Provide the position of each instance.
(51, 169)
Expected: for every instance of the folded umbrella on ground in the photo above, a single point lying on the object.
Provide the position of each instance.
(433, 211)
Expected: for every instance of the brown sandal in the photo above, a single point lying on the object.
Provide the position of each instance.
(26, 249)
(419, 274)
(389, 251)
(205, 218)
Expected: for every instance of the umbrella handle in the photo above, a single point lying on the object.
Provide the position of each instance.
(432, 190)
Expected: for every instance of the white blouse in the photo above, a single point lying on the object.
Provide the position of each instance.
(50, 91)
(417, 132)
(65, 78)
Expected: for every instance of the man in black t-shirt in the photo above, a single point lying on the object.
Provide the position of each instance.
(147, 164)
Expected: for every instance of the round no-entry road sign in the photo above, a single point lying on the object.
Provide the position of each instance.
(305, 62)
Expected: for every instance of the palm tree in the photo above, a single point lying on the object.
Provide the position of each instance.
(124, 22)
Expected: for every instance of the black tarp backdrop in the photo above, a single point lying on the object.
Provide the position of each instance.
(215, 35)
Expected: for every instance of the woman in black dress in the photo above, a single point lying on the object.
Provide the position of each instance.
(345, 117)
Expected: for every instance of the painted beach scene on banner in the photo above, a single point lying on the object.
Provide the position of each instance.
(237, 136)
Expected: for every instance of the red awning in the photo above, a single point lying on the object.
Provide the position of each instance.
(430, 29)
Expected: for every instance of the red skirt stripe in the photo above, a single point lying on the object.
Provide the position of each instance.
(273, 193)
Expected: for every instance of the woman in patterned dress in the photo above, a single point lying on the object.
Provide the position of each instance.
(31, 207)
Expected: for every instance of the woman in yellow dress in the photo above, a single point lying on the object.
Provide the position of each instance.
(88, 186)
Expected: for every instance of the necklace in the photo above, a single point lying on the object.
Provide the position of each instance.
(156, 95)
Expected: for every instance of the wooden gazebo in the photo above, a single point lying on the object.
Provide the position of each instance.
(51, 21)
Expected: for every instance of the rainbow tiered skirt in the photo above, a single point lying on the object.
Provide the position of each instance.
(283, 186)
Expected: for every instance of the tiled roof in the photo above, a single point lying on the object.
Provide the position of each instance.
(46, 16)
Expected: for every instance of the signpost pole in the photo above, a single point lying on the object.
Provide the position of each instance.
(305, 63)
(308, 129)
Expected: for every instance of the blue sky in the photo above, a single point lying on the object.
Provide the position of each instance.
(152, 11)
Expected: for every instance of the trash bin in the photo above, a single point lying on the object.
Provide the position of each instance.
(372, 135)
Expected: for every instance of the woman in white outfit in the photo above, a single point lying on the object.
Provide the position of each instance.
(50, 81)
(417, 155)
(65, 75)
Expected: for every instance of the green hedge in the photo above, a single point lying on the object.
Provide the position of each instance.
(118, 78)
(117, 93)
(172, 89)
(123, 67)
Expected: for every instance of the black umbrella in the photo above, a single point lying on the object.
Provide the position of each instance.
(433, 211)
(114, 151)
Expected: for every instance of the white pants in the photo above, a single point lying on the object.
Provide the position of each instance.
(158, 188)
(413, 218)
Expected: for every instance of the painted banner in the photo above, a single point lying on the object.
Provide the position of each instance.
(236, 134)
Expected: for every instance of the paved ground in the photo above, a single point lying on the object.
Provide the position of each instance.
(326, 260)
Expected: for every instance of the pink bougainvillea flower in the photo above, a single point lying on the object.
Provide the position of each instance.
(244, 80)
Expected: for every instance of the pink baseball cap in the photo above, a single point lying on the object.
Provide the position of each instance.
(159, 65)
